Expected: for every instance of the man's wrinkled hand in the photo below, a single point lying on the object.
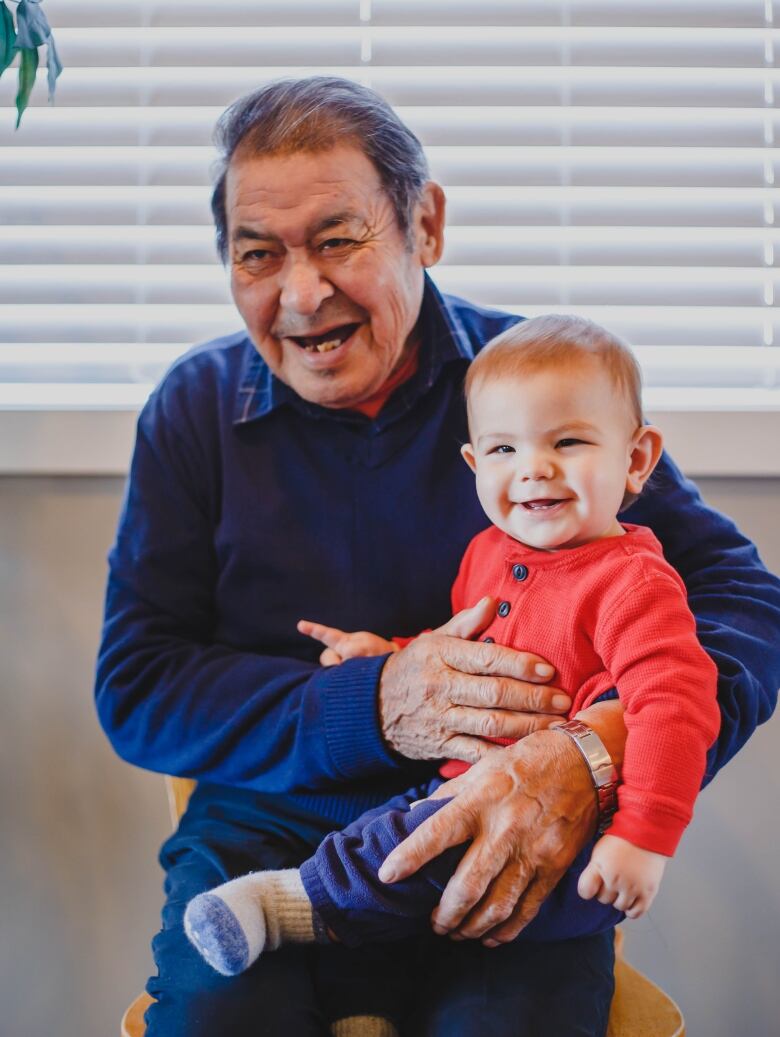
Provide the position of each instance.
(443, 696)
(527, 811)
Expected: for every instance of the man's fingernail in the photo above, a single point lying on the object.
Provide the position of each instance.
(386, 874)
(561, 701)
(544, 670)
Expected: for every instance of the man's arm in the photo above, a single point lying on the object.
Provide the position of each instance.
(735, 600)
(170, 694)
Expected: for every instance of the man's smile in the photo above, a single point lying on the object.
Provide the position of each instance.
(325, 341)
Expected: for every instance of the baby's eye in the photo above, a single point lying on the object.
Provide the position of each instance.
(569, 442)
(502, 448)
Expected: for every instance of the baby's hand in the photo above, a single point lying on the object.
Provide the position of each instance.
(342, 645)
(623, 875)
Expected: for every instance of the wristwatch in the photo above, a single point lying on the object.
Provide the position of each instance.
(602, 770)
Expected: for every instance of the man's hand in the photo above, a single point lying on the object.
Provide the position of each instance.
(528, 810)
(443, 696)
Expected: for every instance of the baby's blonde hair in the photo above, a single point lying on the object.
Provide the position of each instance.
(558, 340)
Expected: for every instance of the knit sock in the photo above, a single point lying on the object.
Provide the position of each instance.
(230, 926)
(363, 1026)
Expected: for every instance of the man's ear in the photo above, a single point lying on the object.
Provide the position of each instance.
(429, 223)
(467, 453)
(645, 452)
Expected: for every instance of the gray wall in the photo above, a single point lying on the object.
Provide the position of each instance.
(80, 884)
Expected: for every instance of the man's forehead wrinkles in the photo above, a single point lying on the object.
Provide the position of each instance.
(292, 197)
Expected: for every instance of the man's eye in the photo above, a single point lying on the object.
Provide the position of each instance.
(333, 244)
(256, 255)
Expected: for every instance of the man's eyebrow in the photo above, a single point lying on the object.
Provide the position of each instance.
(336, 220)
(240, 233)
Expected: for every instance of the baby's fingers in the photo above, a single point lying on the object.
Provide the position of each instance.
(330, 658)
(626, 900)
(590, 883)
(636, 910)
(329, 636)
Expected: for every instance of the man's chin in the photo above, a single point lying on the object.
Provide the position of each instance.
(329, 389)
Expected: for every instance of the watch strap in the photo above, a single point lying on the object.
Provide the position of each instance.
(602, 770)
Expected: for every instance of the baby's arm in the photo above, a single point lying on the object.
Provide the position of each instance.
(341, 644)
(622, 874)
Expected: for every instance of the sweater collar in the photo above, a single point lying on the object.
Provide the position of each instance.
(635, 537)
(444, 339)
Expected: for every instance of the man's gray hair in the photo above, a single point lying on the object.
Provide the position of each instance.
(312, 115)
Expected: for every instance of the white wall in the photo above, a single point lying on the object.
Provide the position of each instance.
(80, 884)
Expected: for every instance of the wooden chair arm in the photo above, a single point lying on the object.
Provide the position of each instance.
(179, 791)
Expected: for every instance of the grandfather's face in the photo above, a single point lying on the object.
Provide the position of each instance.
(327, 284)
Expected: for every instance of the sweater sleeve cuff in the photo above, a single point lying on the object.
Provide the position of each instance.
(661, 834)
(352, 733)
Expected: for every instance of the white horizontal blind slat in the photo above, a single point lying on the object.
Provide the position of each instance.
(449, 46)
(466, 245)
(616, 160)
(498, 85)
(452, 165)
(446, 126)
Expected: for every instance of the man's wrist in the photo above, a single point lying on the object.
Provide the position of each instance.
(603, 773)
(389, 709)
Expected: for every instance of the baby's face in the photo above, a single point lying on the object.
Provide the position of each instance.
(552, 453)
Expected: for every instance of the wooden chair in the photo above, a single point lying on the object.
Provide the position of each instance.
(639, 1007)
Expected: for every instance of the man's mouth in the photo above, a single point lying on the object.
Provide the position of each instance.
(327, 341)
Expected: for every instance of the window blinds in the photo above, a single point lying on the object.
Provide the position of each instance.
(612, 159)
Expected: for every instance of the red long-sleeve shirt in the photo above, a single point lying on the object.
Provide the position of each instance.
(611, 614)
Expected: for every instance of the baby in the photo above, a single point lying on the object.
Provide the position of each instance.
(558, 448)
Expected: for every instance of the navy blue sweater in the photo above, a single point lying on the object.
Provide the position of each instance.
(248, 508)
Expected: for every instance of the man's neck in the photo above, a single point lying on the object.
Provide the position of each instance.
(406, 368)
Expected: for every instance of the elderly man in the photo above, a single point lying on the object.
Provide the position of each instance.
(309, 466)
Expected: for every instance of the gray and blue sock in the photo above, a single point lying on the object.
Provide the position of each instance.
(230, 926)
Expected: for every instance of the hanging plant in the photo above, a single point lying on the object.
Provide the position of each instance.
(31, 32)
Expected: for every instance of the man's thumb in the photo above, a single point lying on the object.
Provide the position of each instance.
(470, 622)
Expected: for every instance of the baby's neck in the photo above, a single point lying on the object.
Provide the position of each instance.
(614, 530)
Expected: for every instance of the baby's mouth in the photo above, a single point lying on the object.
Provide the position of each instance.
(543, 503)
(327, 341)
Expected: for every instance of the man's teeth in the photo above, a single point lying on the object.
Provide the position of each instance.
(324, 347)
(328, 340)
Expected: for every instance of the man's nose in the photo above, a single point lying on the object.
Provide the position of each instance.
(302, 288)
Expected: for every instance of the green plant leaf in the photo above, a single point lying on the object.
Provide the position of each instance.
(53, 65)
(32, 28)
(7, 38)
(28, 66)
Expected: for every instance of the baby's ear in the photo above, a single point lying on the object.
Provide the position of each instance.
(467, 453)
(645, 452)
